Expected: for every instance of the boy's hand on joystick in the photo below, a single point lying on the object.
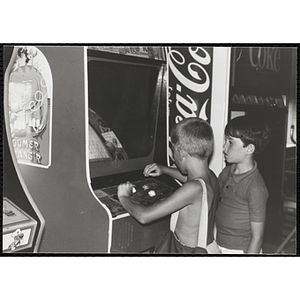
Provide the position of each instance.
(125, 189)
(153, 170)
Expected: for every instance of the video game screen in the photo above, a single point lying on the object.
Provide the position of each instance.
(124, 95)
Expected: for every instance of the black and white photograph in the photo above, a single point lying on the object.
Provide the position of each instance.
(149, 149)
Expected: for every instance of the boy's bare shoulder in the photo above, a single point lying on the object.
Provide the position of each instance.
(192, 187)
(210, 179)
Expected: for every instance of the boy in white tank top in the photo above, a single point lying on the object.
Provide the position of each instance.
(195, 201)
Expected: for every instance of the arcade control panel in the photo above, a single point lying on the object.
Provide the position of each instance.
(145, 192)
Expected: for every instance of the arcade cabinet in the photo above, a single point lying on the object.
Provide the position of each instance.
(22, 222)
(80, 120)
(125, 95)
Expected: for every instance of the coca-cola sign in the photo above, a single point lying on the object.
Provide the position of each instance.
(261, 71)
(190, 77)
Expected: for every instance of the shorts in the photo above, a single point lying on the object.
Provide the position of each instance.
(234, 251)
(213, 248)
(230, 251)
(170, 244)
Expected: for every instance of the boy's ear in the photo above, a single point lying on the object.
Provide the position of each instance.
(181, 153)
(250, 149)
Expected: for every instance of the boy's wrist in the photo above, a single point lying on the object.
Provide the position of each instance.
(164, 169)
(121, 198)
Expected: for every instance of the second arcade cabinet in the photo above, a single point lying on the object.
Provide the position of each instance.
(94, 114)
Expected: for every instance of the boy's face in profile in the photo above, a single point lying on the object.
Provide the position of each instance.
(234, 150)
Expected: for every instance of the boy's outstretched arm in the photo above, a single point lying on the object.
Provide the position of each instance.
(155, 170)
(182, 197)
(257, 231)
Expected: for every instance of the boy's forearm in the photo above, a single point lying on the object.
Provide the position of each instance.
(134, 209)
(255, 245)
(257, 230)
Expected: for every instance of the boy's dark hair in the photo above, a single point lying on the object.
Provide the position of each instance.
(195, 136)
(251, 131)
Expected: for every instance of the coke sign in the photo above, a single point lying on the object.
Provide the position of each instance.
(190, 77)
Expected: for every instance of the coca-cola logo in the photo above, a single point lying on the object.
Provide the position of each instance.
(265, 58)
(189, 89)
(189, 67)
